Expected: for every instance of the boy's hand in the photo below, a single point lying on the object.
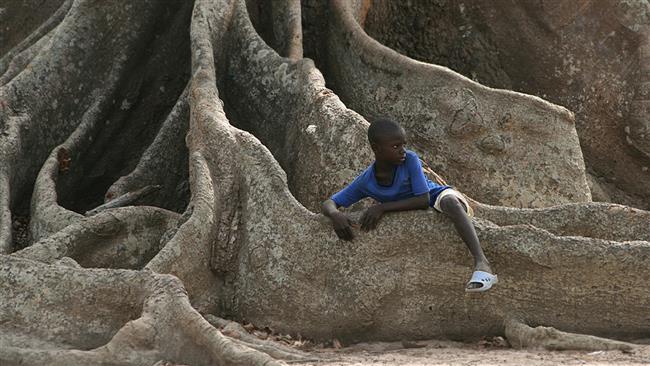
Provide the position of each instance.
(370, 218)
(342, 225)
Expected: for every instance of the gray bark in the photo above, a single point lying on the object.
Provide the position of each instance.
(245, 140)
(591, 58)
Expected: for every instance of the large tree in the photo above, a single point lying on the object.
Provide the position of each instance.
(162, 163)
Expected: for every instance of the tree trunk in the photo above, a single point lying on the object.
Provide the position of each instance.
(106, 100)
(591, 57)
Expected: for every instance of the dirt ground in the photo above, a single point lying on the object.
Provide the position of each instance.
(454, 353)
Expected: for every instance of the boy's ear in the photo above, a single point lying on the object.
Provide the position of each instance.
(373, 146)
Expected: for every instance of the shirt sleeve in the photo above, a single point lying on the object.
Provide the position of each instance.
(350, 194)
(418, 180)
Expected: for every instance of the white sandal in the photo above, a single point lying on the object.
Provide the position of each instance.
(485, 279)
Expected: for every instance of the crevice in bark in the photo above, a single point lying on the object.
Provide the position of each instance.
(279, 23)
(19, 232)
(164, 163)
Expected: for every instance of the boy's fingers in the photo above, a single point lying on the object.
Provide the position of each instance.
(347, 234)
(372, 223)
(344, 233)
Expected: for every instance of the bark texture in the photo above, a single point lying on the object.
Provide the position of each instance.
(589, 56)
(207, 121)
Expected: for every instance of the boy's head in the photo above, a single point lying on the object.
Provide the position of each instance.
(388, 141)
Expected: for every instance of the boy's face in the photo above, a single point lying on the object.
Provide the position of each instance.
(391, 148)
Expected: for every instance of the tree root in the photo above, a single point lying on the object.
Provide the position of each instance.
(283, 266)
(187, 254)
(239, 333)
(308, 130)
(599, 220)
(521, 335)
(20, 61)
(276, 265)
(124, 200)
(287, 28)
(75, 82)
(48, 216)
(486, 125)
(121, 238)
(168, 311)
(6, 242)
(20, 55)
(155, 321)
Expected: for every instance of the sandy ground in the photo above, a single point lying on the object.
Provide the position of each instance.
(454, 353)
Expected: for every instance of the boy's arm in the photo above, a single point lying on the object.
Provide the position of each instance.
(420, 202)
(372, 215)
(341, 222)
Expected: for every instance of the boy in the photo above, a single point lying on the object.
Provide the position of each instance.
(397, 182)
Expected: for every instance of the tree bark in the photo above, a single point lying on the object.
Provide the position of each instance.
(245, 140)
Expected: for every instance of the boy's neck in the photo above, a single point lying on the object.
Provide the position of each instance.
(383, 166)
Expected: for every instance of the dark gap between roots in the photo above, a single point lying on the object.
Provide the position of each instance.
(146, 95)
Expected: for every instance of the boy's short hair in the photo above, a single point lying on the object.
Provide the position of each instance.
(382, 127)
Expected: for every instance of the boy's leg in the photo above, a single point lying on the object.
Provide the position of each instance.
(455, 210)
